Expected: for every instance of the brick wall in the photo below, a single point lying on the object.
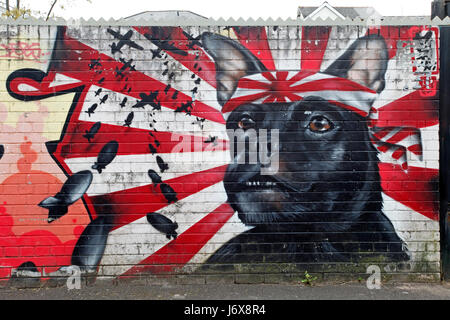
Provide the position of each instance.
(118, 151)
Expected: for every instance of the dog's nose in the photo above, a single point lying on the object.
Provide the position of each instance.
(268, 153)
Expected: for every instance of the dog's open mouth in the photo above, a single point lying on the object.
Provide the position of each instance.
(260, 182)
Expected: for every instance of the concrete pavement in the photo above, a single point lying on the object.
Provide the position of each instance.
(109, 290)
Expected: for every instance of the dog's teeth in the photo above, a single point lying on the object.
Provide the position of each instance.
(260, 183)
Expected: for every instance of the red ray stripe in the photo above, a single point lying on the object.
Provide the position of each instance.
(384, 132)
(401, 135)
(76, 66)
(269, 76)
(412, 110)
(282, 75)
(248, 83)
(132, 204)
(131, 141)
(400, 152)
(178, 252)
(314, 44)
(255, 40)
(191, 61)
(417, 188)
(301, 75)
(384, 148)
(416, 149)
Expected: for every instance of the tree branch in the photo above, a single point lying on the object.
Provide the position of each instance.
(51, 8)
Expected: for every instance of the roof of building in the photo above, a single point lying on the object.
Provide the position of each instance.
(165, 14)
(346, 12)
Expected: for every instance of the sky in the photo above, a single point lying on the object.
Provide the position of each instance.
(216, 9)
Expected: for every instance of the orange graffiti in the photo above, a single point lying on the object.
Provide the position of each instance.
(27, 188)
(24, 226)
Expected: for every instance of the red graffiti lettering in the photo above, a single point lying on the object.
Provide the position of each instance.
(23, 51)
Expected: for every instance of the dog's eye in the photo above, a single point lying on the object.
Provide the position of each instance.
(246, 122)
(319, 124)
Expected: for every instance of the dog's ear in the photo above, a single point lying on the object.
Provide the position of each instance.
(364, 62)
(233, 61)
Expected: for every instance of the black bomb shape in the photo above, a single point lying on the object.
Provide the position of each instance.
(152, 148)
(168, 192)
(106, 156)
(123, 103)
(91, 109)
(156, 179)
(92, 131)
(161, 164)
(129, 119)
(72, 190)
(163, 224)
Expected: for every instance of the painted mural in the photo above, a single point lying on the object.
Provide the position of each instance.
(143, 173)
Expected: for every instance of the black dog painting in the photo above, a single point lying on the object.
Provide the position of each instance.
(324, 203)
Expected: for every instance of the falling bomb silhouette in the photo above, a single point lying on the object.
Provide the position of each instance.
(92, 131)
(163, 224)
(106, 155)
(72, 190)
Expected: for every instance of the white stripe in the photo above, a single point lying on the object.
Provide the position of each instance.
(243, 92)
(285, 45)
(260, 78)
(402, 217)
(26, 87)
(132, 243)
(61, 79)
(130, 171)
(314, 77)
